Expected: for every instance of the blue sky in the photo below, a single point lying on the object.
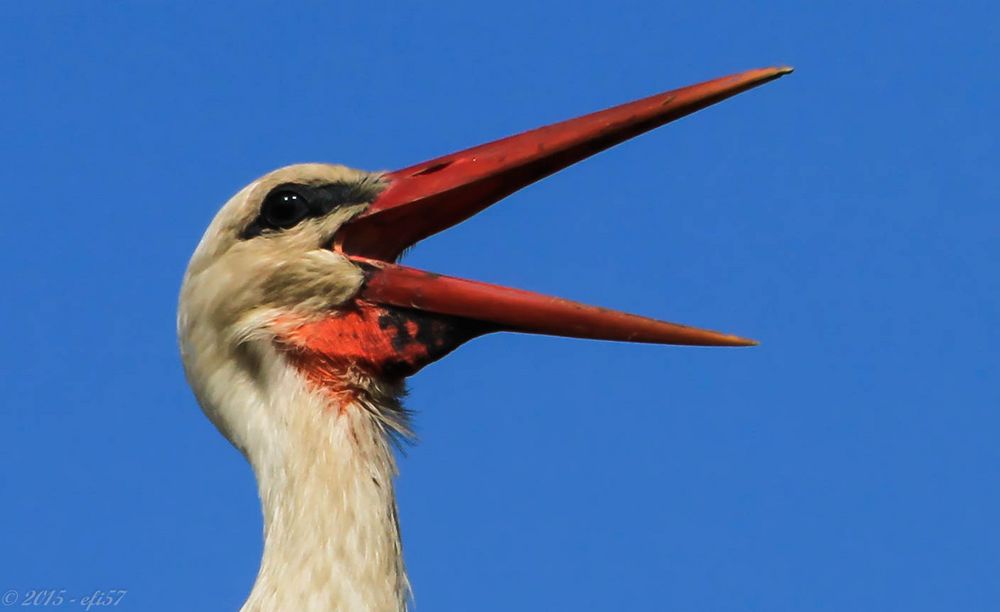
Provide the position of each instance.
(845, 215)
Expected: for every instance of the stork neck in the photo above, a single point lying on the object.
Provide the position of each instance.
(331, 537)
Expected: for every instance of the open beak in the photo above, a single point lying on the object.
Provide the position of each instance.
(432, 196)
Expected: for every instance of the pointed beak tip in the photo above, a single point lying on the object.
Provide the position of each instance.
(764, 75)
(734, 341)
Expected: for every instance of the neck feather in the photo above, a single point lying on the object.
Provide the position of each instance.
(331, 535)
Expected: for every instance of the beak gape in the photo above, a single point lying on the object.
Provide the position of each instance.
(426, 315)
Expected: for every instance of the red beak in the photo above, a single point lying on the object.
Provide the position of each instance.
(432, 196)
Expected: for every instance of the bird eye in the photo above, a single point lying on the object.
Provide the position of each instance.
(284, 209)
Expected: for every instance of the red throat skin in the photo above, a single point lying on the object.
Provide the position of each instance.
(340, 352)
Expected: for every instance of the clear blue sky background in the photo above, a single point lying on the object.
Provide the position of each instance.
(845, 215)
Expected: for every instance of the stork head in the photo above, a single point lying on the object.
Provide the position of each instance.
(266, 254)
(296, 278)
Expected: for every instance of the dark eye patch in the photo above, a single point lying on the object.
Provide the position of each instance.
(287, 205)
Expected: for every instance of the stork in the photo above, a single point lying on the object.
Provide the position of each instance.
(298, 327)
